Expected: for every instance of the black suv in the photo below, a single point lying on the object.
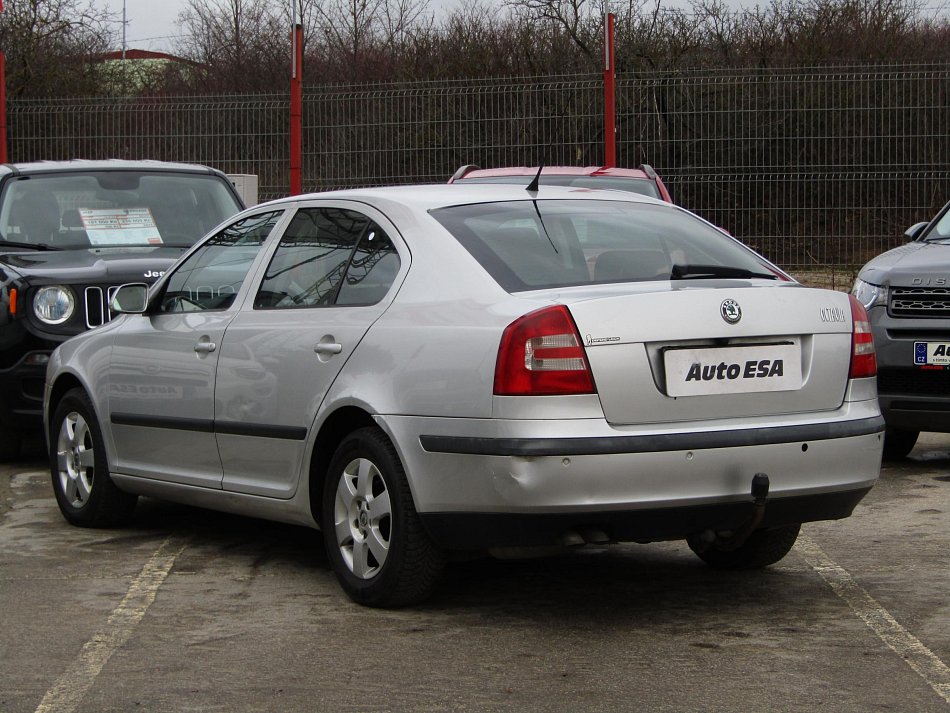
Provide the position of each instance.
(71, 232)
(907, 295)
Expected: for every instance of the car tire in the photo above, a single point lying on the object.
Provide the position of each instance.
(85, 493)
(375, 541)
(764, 547)
(9, 445)
(898, 442)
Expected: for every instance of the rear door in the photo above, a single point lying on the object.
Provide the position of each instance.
(330, 277)
(161, 390)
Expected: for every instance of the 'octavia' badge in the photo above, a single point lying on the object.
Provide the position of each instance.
(730, 311)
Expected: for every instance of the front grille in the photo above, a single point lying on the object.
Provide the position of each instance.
(920, 382)
(97, 305)
(919, 302)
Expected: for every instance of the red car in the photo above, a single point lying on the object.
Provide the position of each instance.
(642, 180)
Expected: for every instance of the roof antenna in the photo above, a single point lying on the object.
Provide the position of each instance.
(533, 186)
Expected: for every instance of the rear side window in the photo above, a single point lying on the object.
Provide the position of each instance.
(535, 244)
(329, 256)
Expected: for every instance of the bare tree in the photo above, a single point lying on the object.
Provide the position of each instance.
(242, 44)
(49, 44)
(366, 32)
(576, 18)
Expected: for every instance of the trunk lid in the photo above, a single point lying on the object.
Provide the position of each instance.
(727, 350)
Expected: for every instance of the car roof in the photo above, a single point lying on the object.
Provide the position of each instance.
(556, 171)
(431, 196)
(112, 164)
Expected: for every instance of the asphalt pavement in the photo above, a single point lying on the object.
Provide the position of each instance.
(191, 610)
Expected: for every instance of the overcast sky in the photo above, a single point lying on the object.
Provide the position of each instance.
(151, 24)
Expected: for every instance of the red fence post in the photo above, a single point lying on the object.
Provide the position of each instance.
(296, 111)
(610, 129)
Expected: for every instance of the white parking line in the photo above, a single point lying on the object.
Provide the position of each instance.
(78, 678)
(927, 665)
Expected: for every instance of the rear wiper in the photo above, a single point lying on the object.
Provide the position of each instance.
(705, 272)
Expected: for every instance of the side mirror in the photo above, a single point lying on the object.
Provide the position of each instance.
(130, 299)
(914, 231)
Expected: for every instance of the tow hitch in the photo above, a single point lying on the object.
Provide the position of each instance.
(727, 541)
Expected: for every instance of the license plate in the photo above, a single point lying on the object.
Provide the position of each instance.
(733, 370)
(930, 353)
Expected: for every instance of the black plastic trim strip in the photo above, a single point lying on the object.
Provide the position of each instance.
(260, 430)
(179, 424)
(607, 445)
(257, 430)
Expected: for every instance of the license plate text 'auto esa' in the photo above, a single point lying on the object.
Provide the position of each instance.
(733, 370)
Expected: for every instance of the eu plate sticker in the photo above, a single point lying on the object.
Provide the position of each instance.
(932, 353)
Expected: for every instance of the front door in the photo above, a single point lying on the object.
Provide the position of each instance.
(161, 391)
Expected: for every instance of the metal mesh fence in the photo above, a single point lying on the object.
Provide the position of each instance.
(238, 134)
(814, 168)
(423, 132)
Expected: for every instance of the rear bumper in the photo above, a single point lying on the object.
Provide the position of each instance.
(472, 531)
(499, 482)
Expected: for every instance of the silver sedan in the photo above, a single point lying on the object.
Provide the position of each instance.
(426, 369)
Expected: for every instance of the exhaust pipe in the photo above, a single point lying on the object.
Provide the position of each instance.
(584, 536)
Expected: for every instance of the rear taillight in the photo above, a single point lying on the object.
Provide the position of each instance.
(541, 355)
(863, 355)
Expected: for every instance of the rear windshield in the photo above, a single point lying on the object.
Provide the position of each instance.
(526, 245)
(642, 186)
(113, 208)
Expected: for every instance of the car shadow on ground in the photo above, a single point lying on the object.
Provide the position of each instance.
(661, 581)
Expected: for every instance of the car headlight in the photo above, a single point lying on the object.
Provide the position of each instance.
(54, 304)
(869, 295)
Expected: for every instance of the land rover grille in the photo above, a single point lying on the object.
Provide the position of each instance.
(919, 302)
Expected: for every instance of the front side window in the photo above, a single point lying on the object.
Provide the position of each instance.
(329, 256)
(940, 231)
(210, 278)
(537, 244)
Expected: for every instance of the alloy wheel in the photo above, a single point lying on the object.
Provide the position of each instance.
(76, 459)
(363, 518)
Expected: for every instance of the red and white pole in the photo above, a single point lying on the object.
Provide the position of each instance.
(296, 109)
(610, 109)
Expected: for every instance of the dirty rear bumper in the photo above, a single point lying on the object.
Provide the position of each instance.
(472, 531)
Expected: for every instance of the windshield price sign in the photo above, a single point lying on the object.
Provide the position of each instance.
(120, 226)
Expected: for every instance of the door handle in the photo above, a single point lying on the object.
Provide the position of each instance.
(328, 348)
(205, 347)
